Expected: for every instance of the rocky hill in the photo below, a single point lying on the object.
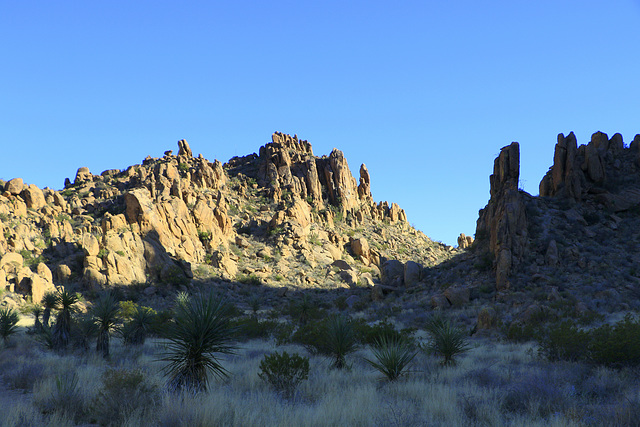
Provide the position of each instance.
(283, 218)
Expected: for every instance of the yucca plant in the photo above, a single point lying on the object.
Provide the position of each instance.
(36, 310)
(49, 302)
(135, 331)
(446, 340)
(199, 333)
(84, 330)
(8, 323)
(62, 329)
(340, 339)
(105, 315)
(392, 357)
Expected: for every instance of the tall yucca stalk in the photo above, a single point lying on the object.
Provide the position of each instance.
(199, 333)
(62, 329)
(105, 315)
(340, 339)
(49, 302)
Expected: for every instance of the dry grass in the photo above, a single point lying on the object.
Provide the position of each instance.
(493, 384)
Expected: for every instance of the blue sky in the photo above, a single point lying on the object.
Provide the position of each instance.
(424, 93)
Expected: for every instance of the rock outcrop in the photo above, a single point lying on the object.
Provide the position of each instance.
(502, 224)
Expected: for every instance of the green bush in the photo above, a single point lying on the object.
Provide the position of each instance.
(139, 326)
(563, 341)
(614, 346)
(283, 372)
(373, 334)
(251, 328)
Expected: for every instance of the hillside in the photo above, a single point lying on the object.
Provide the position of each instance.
(280, 219)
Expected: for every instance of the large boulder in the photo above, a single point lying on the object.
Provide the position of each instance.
(33, 197)
(412, 273)
(14, 186)
(393, 272)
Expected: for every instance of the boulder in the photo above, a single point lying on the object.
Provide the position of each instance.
(184, 149)
(44, 272)
(83, 175)
(360, 247)
(33, 197)
(457, 296)
(14, 186)
(11, 258)
(412, 273)
(439, 301)
(392, 272)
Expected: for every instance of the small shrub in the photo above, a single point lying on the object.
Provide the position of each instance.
(392, 356)
(252, 328)
(139, 326)
(123, 392)
(563, 341)
(616, 346)
(283, 372)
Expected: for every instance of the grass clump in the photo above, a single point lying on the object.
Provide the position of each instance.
(199, 333)
(283, 372)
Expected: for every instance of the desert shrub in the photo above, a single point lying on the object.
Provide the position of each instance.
(392, 357)
(563, 341)
(8, 323)
(373, 334)
(248, 328)
(123, 392)
(533, 395)
(446, 339)
(83, 331)
(304, 310)
(199, 333)
(310, 336)
(616, 346)
(283, 372)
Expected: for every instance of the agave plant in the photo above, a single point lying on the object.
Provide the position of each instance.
(8, 323)
(105, 315)
(199, 333)
(392, 357)
(49, 302)
(340, 339)
(62, 328)
(447, 340)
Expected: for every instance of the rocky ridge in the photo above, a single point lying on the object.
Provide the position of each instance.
(280, 218)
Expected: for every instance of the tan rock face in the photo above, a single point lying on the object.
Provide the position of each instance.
(83, 175)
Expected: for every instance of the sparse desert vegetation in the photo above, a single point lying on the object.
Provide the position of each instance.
(385, 378)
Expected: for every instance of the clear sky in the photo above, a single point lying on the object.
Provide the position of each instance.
(425, 93)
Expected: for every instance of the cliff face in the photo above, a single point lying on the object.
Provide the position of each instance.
(577, 243)
(270, 217)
